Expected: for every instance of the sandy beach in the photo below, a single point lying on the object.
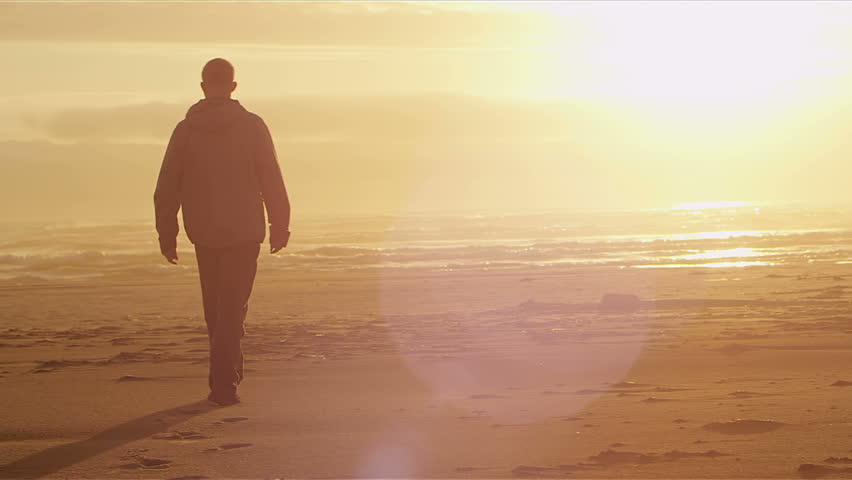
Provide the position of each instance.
(722, 372)
(498, 239)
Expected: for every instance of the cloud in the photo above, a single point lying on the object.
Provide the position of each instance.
(97, 181)
(404, 118)
(395, 24)
(434, 152)
(148, 121)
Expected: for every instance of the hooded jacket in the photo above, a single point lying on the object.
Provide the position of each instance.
(220, 168)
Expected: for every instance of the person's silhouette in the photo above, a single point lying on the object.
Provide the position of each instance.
(220, 168)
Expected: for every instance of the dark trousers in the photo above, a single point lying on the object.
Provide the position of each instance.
(227, 276)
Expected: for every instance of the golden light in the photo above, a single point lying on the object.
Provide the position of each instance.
(724, 235)
(709, 58)
(707, 265)
(711, 205)
(733, 252)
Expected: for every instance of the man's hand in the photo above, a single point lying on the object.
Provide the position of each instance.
(169, 250)
(171, 256)
(278, 240)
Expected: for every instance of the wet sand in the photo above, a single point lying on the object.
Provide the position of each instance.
(403, 373)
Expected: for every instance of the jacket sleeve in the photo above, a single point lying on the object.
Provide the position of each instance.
(167, 193)
(272, 182)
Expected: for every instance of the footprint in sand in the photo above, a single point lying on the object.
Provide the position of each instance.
(228, 446)
(187, 435)
(229, 420)
(234, 419)
(743, 427)
(146, 463)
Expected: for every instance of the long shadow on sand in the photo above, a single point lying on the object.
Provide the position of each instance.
(56, 458)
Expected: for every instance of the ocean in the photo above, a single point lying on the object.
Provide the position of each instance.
(735, 235)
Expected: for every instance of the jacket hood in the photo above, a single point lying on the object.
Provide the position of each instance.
(215, 114)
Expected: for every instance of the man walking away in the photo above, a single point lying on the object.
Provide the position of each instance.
(220, 168)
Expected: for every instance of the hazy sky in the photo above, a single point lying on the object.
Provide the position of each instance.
(398, 107)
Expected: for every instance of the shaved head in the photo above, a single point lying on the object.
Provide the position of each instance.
(218, 72)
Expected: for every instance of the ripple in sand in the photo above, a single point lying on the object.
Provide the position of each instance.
(736, 349)
(656, 400)
(746, 394)
(54, 364)
(133, 357)
(533, 471)
(612, 457)
(228, 446)
(133, 378)
(741, 426)
(471, 469)
(630, 385)
(841, 383)
(810, 470)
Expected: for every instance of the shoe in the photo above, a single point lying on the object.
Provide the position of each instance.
(223, 400)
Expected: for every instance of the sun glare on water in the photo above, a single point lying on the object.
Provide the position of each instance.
(707, 265)
(730, 253)
(711, 205)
